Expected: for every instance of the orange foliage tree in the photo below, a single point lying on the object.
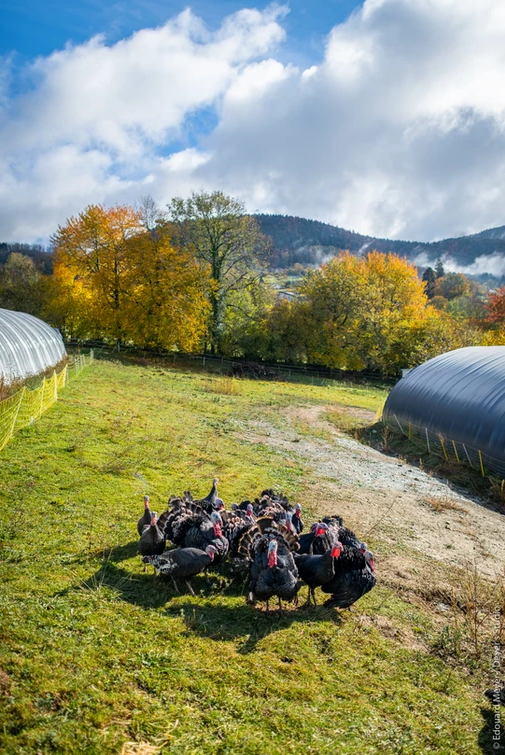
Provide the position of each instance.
(91, 251)
(495, 306)
(113, 278)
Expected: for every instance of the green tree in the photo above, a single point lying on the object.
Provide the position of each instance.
(227, 242)
(20, 284)
(452, 285)
(439, 269)
(430, 278)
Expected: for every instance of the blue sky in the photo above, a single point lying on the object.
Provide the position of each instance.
(386, 117)
(31, 28)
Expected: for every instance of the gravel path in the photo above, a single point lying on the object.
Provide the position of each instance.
(397, 504)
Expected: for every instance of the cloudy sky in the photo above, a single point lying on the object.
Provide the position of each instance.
(385, 117)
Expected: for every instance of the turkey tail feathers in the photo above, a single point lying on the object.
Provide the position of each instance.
(265, 527)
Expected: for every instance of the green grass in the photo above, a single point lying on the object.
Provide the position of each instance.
(95, 653)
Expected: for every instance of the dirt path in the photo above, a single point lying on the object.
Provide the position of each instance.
(399, 506)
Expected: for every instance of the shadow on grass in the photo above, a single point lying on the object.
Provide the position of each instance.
(203, 615)
(229, 622)
(487, 744)
(123, 552)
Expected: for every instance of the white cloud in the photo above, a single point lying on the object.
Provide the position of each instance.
(486, 263)
(398, 131)
(91, 127)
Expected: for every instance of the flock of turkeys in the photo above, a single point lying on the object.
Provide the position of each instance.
(263, 542)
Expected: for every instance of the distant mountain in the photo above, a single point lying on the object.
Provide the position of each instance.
(309, 242)
(491, 233)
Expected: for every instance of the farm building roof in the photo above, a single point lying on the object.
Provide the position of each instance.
(460, 396)
(28, 346)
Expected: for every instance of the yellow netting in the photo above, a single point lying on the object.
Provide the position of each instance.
(25, 406)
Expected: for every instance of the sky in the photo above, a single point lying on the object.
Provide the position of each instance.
(385, 117)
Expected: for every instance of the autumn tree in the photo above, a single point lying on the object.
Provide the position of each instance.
(165, 295)
(368, 313)
(495, 307)
(92, 250)
(335, 294)
(227, 243)
(452, 285)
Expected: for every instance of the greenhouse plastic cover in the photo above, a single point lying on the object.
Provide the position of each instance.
(28, 345)
(460, 395)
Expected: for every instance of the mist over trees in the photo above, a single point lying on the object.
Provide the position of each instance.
(195, 277)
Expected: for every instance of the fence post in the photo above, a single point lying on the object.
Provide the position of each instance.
(427, 439)
(23, 389)
(42, 396)
(398, 423)
(443, 448)
(456, 451)
(467, 456)
(481, 464)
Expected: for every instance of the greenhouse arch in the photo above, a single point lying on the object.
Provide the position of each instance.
(28, 346)
(458, 400)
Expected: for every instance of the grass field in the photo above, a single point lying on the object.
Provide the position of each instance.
(98, 657)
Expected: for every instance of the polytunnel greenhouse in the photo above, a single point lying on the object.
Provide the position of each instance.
(455, 404)
(28, 346)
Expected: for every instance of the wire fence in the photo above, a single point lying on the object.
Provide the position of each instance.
(446, 448)
(27, 405)
(316, 374)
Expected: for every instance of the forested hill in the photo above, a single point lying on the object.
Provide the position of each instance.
(43, 260)
(310, 242)
(297, 240)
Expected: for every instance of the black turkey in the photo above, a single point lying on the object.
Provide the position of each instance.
(211, 502)
(152, 541)
(235, 524)
(331, 530)
(320, 538)
(184, 563)
(269, 546)
(317, 570)
(297, 519)
(187, 525)
(145, 520)
(353, 578)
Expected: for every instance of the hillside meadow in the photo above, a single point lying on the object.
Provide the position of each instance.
(98, 657)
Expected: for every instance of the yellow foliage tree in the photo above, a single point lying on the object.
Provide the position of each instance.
(370, 313)
(166, 304)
